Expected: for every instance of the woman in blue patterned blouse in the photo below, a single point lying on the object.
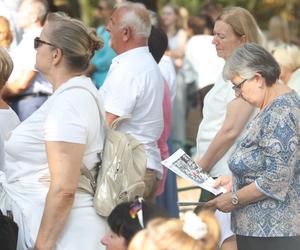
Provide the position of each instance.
(265, 195)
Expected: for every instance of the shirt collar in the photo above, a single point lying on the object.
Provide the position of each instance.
(130, 53)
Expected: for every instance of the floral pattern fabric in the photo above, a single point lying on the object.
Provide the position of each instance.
(269, 154)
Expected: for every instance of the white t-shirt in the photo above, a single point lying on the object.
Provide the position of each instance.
(8, 121)
(202, 55)
(214, 111)
(167, 69)
(70, 116)
(134, 85)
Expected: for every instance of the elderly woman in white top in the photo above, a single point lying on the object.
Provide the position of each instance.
(45, 153)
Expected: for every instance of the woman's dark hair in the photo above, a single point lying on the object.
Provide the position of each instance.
(157, 43)
(198, 24)
(122, 223)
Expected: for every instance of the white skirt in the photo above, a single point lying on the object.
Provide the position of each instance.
(83, 230)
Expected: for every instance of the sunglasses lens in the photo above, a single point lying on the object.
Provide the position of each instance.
(36, 43)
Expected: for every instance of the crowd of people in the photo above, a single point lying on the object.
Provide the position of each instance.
(235, 87)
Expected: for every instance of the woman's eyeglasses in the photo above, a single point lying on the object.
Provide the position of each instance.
(38, 42)
(237, 87)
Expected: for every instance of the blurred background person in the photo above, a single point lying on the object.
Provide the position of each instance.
(211, 8)
(27, 89)
(102, 59)
(6, 37)
(9, 9)
(224, 114)
(205, 67)
(172, 25)
(192, 233)
(126, 219)
(177, 37)
(288, 57)
(265, 164)
(201, 53)
(278, 32)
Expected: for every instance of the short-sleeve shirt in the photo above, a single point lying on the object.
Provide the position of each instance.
(268, 154)
(134, 85)
(69, 115)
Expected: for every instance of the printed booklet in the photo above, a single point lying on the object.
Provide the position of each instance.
(184, 166)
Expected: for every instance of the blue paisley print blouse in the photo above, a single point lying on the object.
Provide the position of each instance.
(268, 154)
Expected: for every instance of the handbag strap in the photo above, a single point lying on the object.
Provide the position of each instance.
(84, 170)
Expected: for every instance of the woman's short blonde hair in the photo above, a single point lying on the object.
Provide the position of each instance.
(242, 23)
(287, 55)
(77, 42)
(168, 234)
(6, 32)
(6, 66)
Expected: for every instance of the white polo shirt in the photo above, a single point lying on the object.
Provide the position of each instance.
(134, 85)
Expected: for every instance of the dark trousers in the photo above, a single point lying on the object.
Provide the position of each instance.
(268, 243)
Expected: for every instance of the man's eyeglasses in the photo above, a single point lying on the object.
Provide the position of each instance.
(237, 87)
(38, 42)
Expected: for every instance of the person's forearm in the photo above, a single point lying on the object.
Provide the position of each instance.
(221, 143)
(20, 85)
(13, 89)
(57, 209)
(237, 114)
(246, 195)
(249, 194)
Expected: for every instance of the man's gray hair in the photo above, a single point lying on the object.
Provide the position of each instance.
(250, 59)
(137, 18)
(40, 7)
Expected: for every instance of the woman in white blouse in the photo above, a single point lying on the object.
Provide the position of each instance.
(44, 154)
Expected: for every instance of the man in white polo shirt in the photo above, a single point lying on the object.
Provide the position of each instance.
(134, 85)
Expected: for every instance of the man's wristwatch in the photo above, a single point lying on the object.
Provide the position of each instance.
(234, 199)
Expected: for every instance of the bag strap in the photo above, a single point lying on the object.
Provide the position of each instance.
(84, 170)
(117, 121)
